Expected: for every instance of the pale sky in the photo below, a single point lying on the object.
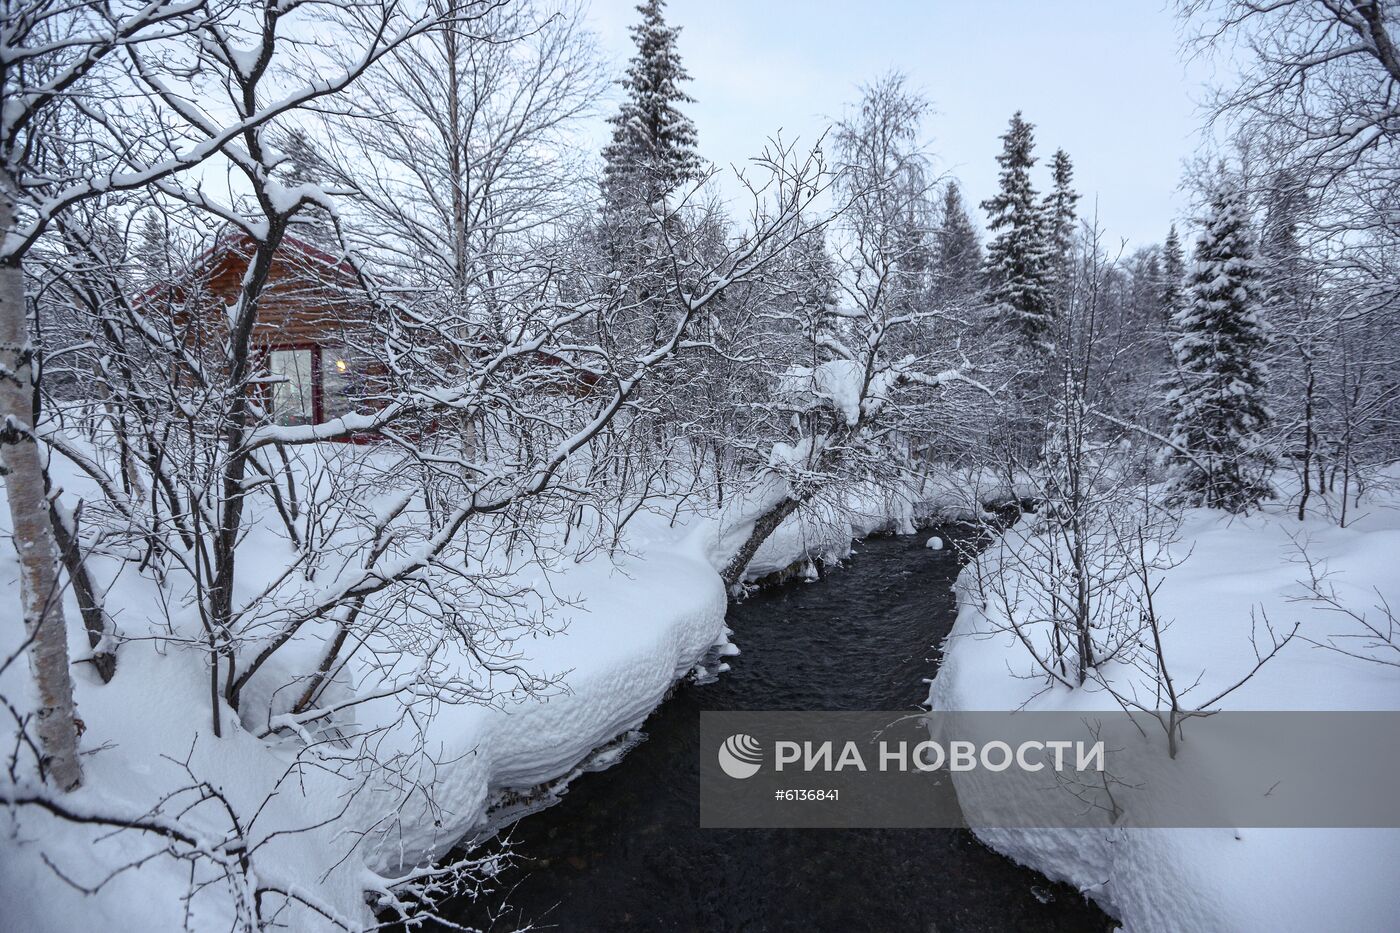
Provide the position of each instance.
(1102, 79)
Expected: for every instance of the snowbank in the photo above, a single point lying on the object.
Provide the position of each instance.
(824, 532)
(1218, 879)
(644, 621)
(633, 625)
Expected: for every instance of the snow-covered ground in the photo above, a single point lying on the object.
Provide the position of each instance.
(633, 625)
(1234, 569)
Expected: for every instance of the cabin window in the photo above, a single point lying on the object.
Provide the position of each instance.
(293, 385)
(314, 384)
(341, 377)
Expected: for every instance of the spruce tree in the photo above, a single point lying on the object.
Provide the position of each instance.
(1219, 414)
(154, 251)
(1059, 210)
(305, 166)
(1172, 295)
(653, 143)
(1283, 281)
(913, 255)
(1145, 286)
(1018, 261)
(1059, 217)
(959, 256)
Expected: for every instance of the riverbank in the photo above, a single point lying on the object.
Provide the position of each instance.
(1227, 575)
(329, 825)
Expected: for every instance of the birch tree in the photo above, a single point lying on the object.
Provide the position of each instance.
(94, 106)
(881, 370)
(57, 59)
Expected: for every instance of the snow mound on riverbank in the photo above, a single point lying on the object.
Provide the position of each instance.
(824, 533)
(1218, 879)
(642, 623)
(627, 629)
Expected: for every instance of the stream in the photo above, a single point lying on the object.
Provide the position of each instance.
(623, 849)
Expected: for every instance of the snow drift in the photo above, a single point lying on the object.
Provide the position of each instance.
(1233, 570)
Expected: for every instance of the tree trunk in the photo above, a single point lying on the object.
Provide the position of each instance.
(767, 523)
(41, 598)
(99, 627)
(235, 468)
(1308, 439)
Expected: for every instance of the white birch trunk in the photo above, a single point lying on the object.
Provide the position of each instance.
(40, 594)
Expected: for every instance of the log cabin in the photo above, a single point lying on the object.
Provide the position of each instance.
(313, 324)
(313, 332)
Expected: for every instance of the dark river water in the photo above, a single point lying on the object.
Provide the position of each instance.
(623, 850)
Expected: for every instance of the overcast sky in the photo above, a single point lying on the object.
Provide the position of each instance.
(1102, 79)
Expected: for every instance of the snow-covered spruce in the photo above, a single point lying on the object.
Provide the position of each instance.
(1218, 405)
(1018, 264)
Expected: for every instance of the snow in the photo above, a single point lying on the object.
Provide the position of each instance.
(633, 626)
(934, 544)
(244, 60)
(838, 384)
(284, 197)
(1217, 879)
(824, 532)
(783, 454)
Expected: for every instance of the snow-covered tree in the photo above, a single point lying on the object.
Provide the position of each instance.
(154, 250)
(1145, 285)
(811, 281)
(876, 379)
(1219, 412)
(1305, 333)
(1060, 214)
(1018, 258)
(1319, 82)
(959, 250)
(304, 165)
(884, 174)
(653, 143)
(1173, 270)
(1282, 265)
(479, 154)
